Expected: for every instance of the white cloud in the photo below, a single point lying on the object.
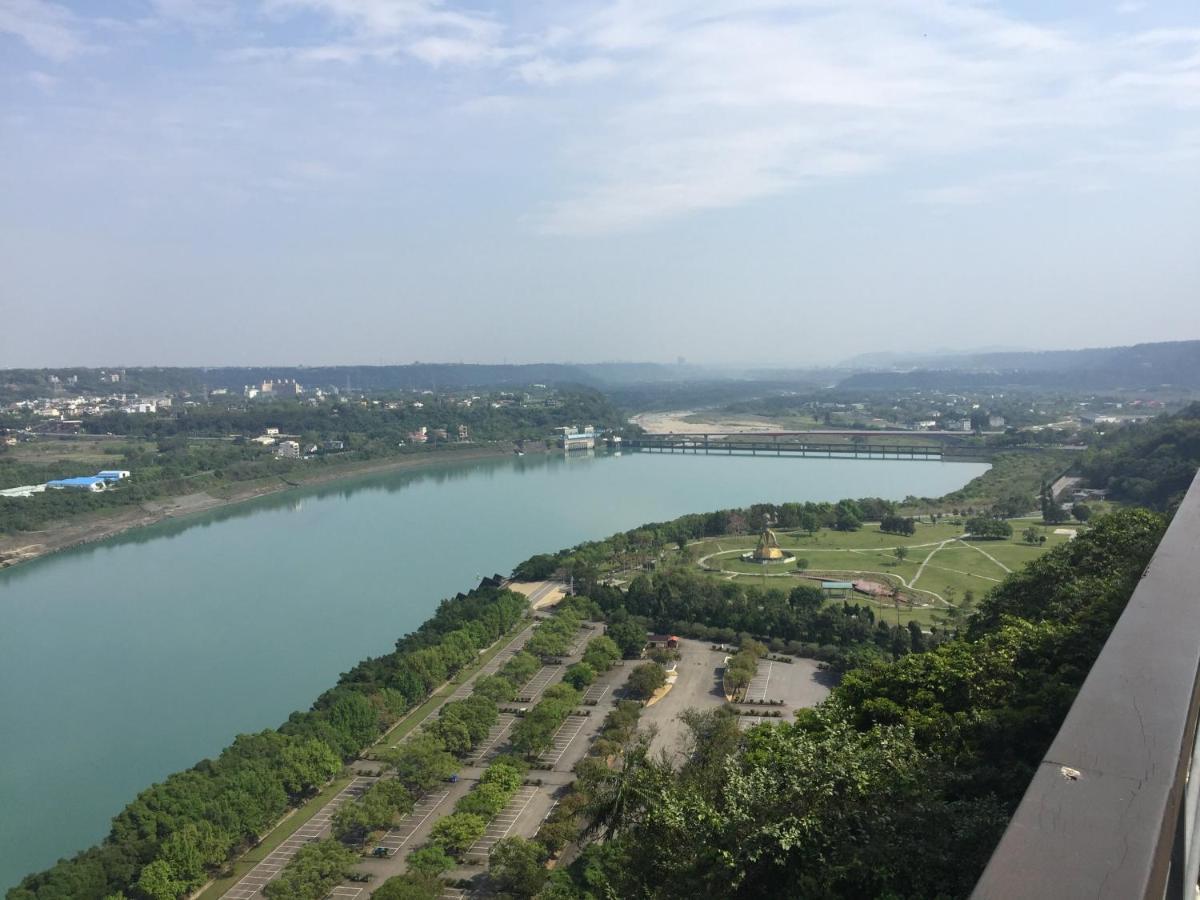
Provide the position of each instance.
(47, 28)
(720, 103)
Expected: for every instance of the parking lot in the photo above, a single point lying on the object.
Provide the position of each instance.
(596, 693)
(757, 690)
(400, 835)
(503, 823)
(494, 742)
(539, 682)
(798, 684)
(566, 734)
(316, 827)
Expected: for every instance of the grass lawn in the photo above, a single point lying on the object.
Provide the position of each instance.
(80, 450)
(278, 835)
(938, 563)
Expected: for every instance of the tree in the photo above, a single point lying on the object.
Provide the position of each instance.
(916, 637)
(579, 675)
(988, 529)
(410, 886)
(158, 881)
(517, 866)
(421, 762)
(430, 861)
(847, 516)
(457, 832)
(902, 553)
(629, 637)
(601, 652)
(646, 679)
(1081, 511)
(1030, 535)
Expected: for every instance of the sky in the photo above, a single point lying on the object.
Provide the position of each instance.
(206, 182)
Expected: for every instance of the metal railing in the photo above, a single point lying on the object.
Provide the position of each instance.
(1112, 810)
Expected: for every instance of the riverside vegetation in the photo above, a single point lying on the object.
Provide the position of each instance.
(205, 448)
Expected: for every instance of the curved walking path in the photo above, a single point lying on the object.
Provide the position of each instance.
(925, 561)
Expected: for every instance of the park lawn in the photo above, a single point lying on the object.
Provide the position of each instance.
(868, 537)
(1015, 553)
(277, 836)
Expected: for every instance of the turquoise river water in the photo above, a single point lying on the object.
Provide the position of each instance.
(128, 659)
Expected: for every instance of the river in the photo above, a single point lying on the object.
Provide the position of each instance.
(128, 659)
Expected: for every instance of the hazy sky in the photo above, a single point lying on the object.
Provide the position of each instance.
(324, 181)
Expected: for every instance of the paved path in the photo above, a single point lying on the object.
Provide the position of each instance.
(317, 827)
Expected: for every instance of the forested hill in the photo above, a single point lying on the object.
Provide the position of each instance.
(1173, 363)
(1150, 464)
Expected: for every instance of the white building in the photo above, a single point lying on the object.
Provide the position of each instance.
(288, 450)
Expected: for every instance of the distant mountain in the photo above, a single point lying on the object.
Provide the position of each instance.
(1173, 364)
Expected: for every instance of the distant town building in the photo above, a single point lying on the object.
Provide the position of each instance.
(288, 450)
(286, 387)
(113, 474)
(420, 436)
(333, 445)
(265, 440)
(270, 431)
(995, 421)
(464, 433)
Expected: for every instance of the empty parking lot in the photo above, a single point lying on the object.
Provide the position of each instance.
(502, 824)
(567, 732)
(539, 682)
(400, 835)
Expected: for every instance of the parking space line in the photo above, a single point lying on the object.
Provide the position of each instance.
(495, 735)
(591, 695)
(399, 836)
(502, 824)
(566, 733)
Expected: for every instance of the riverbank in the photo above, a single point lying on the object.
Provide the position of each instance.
(97, 526)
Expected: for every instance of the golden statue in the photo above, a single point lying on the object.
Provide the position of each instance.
(768, 547)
